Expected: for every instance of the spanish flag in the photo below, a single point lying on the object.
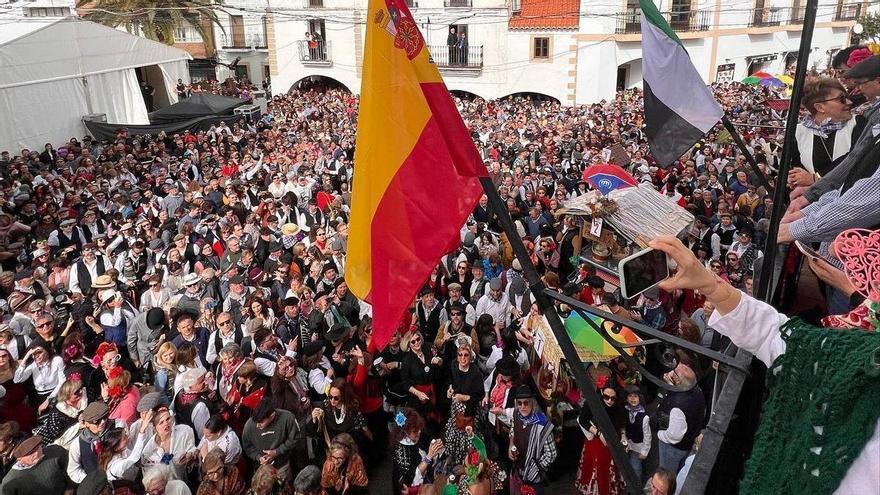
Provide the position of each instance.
(416, 173)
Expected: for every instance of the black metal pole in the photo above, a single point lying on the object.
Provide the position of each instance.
(748, 154)
(588, 390)
(701, 469)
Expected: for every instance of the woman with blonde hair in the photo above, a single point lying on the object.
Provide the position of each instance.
(121, 396)
(63, 411)
(165, 369)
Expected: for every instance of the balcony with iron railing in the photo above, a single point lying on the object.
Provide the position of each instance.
(848, 11)
(458, 3)
(254, 41)
(454, 59)
(776, 16)
(314, 53)
(629, 22)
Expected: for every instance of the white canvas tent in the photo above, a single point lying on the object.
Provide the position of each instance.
(53, 72)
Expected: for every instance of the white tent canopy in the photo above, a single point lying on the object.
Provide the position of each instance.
(55, 72)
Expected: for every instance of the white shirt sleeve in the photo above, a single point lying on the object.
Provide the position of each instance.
(265, 366)
(200, 416)
(677, 427)
(75, 471)
(74, 278)
(761, 336)
(111, 318)
(117, 466)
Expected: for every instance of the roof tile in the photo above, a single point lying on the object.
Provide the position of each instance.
(546, 14)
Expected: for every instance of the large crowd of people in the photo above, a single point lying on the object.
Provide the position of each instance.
(175, 318)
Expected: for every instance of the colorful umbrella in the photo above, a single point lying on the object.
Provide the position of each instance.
(761, 75)
(607, 177)
(786, 79)
(751, 80)
(772, 82)
(590, 345)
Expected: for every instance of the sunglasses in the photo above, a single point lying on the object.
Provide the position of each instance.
(44, 324)
(415, 340)
(839, 99)
(154, 285)
(609, 397)
(523, 402)
(335, 398)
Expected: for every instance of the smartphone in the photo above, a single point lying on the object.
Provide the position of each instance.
(641, 271)
(806, 250)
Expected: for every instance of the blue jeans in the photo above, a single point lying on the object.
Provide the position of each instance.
(671, 457)
(636, 463)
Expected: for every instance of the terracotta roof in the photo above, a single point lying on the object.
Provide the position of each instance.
(546, 14)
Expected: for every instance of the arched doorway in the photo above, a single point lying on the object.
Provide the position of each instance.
(530, 95)
(629, 74)
(464, 95)
(318, 83)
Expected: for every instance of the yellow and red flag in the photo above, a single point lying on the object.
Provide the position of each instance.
(416, 175)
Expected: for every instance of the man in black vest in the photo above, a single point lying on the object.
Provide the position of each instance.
(725, 231)
(90, 227)
(311, 217)
(227, 333)
(685, 412)
(266, 350)
(84, 272)
(195, 404)
(65, 238)
(289, 322)
(83, 457)
(431, 314)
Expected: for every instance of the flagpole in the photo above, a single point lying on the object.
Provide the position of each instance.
(588, 390)
(701, 469)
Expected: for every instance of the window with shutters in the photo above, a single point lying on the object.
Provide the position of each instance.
(541, 47)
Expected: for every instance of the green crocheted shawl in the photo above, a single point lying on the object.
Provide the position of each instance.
(823, 406)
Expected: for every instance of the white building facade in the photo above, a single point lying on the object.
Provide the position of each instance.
(521, 46)
(243, 37)
(37, 9)
(726, 39)
(499, 59)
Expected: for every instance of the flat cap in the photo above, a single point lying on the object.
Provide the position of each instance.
(26, 447)
(151, 401)
(95, 412)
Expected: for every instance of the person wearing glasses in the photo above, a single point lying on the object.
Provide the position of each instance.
(82, 457)
(63, 412)
(532, 448)
(45, 369)
(826, 135)
(597, 473)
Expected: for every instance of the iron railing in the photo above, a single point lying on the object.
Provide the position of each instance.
(776, 16)
(848, 11)
(458, 3)
(314, 52)
(629, 22)
(313, 4)
(445, 56)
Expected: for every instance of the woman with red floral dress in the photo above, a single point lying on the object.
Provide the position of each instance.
(597, 473)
